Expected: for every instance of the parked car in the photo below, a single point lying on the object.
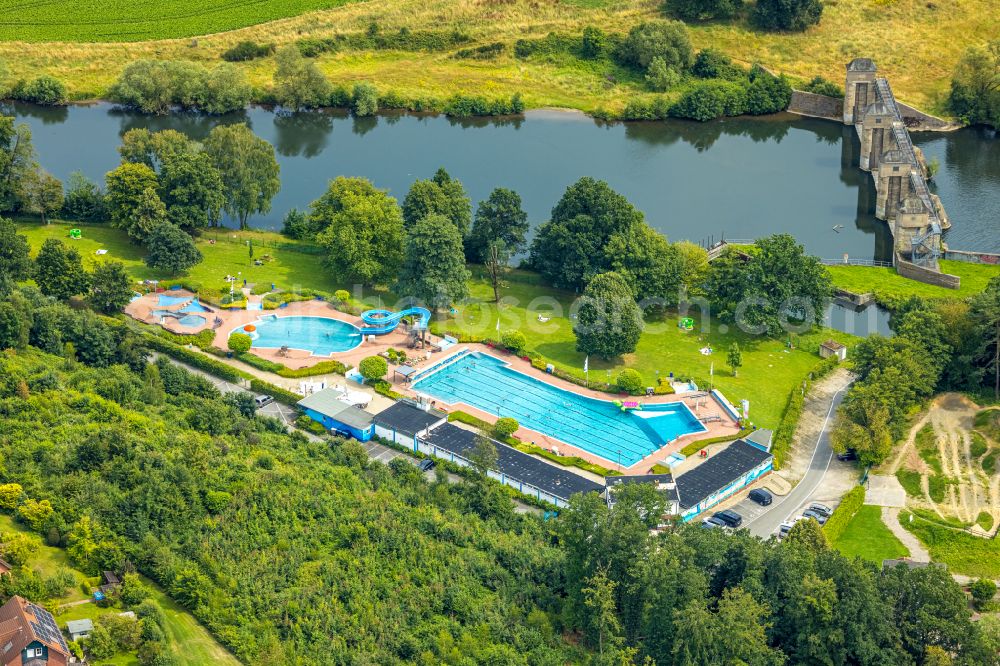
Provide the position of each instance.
(712, 522)
(821, 508)
(848, 455)
(427, 464)
(761, 496)
(730, 518)
(815, 515)
(263, 400)
(785, 527)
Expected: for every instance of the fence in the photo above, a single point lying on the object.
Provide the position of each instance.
(847, 261)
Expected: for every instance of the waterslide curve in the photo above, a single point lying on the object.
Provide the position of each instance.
(380, 322)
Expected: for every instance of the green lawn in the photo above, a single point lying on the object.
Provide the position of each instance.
(138, 20)
(961, 552)
(888, 286)
(867, 537)
(190, 642)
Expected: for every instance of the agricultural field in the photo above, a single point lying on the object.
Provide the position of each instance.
(915, 43)
(139, 20)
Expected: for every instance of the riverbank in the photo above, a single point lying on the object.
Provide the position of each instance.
(918, 64)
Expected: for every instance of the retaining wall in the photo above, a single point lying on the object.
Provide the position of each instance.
(817, 106)
(926, 275)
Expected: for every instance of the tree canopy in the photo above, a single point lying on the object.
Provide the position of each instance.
(249, 170)
(788, 15)
(132, 200)
(500, 217)
(59, 270)
(169, 248)
(434, 270)
(441, 195)
(609, 322)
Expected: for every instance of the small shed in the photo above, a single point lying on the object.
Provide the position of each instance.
(337, 416)
(833, 348)
(78, 629)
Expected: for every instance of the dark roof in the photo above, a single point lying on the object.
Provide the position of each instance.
(518, 466)
(897, 156)
(22, 623)
(719, 471)
(861, 65)
(763, 436)
(664, 483)
(834, 345)
(407, 418)
(326, 403)
(111, 578)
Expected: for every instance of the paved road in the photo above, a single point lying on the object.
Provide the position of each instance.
(764, 521)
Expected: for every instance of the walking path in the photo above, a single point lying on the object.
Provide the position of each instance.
(890, 516)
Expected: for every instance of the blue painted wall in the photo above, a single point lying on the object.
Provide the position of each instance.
(341, 428)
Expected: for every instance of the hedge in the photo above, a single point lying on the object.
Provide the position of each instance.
(849, 505)
(196, 359)
(793, 411)
(383, 387)
(694, 447)
(321, 368)
(276, 392)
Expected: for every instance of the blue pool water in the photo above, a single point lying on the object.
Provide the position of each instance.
(166, 301)
(598, 426)
(320, 335)
(191, 320)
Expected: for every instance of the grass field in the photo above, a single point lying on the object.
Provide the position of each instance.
(887, 285)
(914, 42)
(867, 537)
(190, 643)
(769, 369)
(963, 553)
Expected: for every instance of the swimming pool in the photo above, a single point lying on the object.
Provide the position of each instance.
(597, 426)
(189, 320)
(166, 301)
(320, 335)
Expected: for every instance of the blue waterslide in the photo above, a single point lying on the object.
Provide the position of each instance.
(380, 322)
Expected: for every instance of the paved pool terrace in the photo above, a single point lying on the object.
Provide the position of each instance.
(559, 415)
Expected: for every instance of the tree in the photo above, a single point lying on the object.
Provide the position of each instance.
(499, 217)
(17, 162)
(569, 249)
(43, 194)
(133, 591)
(191, 190)
(45, 90)
(703, 10)
(155, 149)
(434, 270)
(15, 256)
(132, 200)
(778, 284)
(248, 167)
(649, 263)
(84, 200)
(767, 93)
(373, 368)
(59, 270)
(15, 327)
(484, 455)
(665, 39)
(364, 100)
(609, 322)
(100, 644)
(629, 381)
(735, 357)
(361, 228)
(505, 427)
(592, 42)
(975, 85)
(660, 76)
(441, 195)
(497, 263)
(110, 287)
(298, 83)
(787, 15)
(983, 590)
(239, 343)
(985, 314)
(225, 89)
(169, 248)
(599, 597)
(514, 341)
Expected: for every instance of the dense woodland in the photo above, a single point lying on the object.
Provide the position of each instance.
(296, 551)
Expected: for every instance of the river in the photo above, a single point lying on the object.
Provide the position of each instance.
(738, 178)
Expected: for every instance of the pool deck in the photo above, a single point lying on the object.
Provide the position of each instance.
(142, 309)
(702, 407)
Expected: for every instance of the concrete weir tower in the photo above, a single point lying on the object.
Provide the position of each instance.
(915, 217)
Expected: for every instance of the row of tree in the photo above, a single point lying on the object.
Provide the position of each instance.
(975, 85)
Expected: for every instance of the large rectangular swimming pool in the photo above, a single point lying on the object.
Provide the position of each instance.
(597, 426)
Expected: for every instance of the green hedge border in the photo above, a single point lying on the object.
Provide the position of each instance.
(845, 511)
(792, 412)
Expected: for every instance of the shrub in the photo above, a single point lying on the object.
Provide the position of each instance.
(505, 427)
(45, 90)
(514, 341)
(983, 591)
(844, 512)
(373, 368)
(794, 15)
(629, 380)
(703, 10)
(364, 100)
(714, 64)
(464, 106)
(281, 395)
(592, 42)
(194, 359)
(666, 39)
(767, 93)
(342, 295)
(484, 52)
(821, 86)
(247, 50)
(660, 76)
(708, 100)
(261, 288)
(155, 86)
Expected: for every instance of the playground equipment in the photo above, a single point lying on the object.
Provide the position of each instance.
(75, 234)
(686, 324)
(380, 322)
(249, 328)
(628, 405)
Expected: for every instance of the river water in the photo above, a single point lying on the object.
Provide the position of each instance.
(739, 178)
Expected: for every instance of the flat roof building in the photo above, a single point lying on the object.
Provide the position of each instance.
(337, 416)
(726, 472)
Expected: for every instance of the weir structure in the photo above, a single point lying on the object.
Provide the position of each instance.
(915, 217)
